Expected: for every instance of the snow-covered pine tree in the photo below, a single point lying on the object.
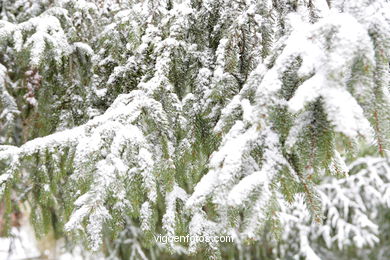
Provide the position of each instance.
(121, 120)
(349, 227)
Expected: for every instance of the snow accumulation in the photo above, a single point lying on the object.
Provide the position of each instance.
(256, 111)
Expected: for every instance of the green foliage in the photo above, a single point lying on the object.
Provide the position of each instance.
(123, 120)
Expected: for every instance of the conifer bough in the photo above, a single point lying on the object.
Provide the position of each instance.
(120, 120)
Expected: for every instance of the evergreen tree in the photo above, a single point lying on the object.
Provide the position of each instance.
(121, 120)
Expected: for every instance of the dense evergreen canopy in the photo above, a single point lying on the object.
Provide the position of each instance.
(264, 120)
